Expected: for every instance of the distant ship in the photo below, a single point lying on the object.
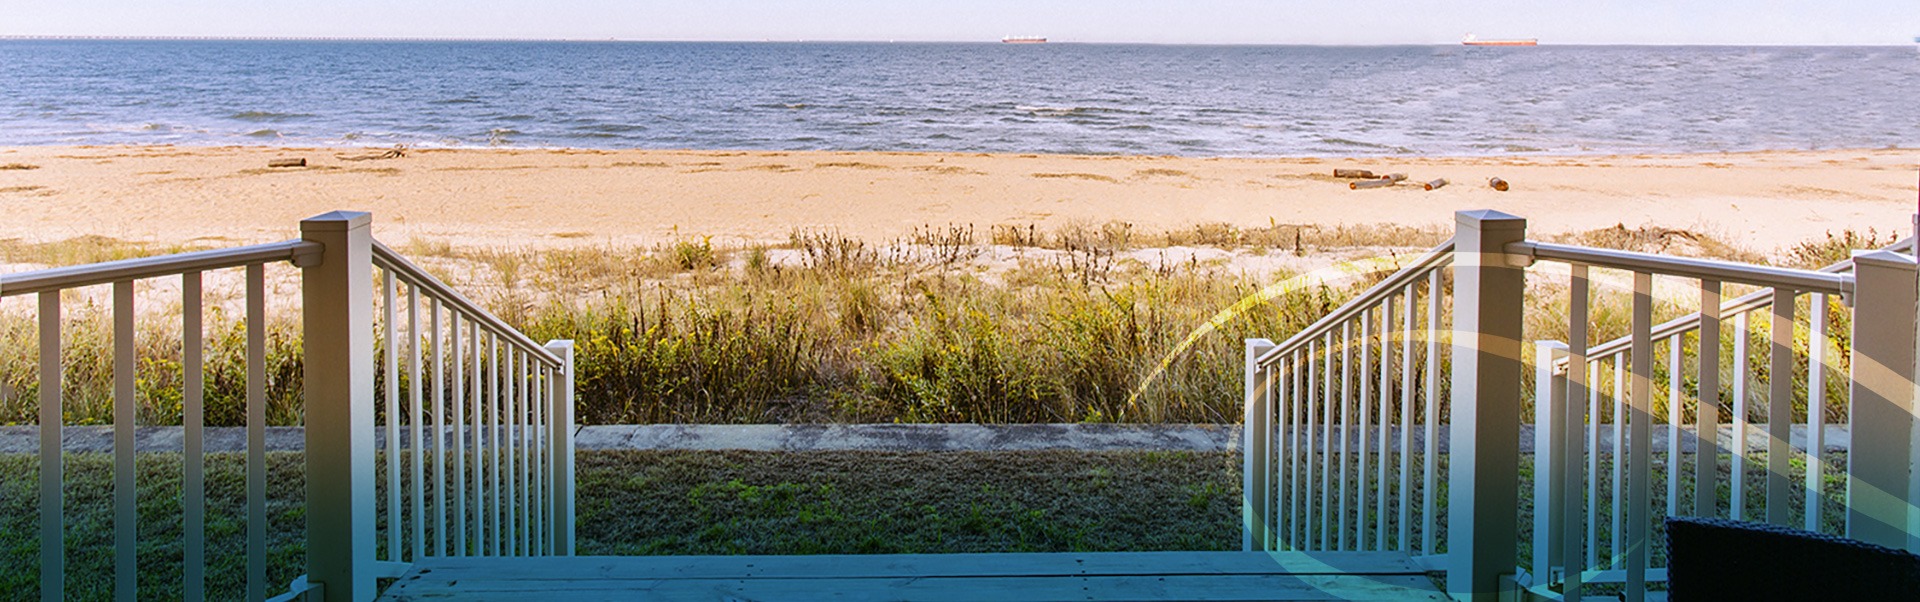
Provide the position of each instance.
(1472, 40)
(1023, 40)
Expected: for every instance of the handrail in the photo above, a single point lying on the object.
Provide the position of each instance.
(297, 251)
(388, 259)
(1439, 256)
(1710, 269)
(1738, 305)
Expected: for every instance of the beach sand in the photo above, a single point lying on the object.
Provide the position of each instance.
(565, 197)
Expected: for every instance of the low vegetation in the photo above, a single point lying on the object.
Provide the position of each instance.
(1087, 322)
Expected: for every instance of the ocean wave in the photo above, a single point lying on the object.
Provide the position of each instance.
(1075, 110)
(263, 133)
(1346, 142)
(268, 116)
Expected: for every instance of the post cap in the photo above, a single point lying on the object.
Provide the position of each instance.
(1885, 259)
(1489, 219)
(333, 221)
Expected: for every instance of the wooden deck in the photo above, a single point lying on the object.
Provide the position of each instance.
(1049, 576)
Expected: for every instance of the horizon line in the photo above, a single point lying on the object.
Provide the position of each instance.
(236, 38)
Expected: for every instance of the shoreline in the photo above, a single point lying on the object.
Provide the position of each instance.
(571, 197)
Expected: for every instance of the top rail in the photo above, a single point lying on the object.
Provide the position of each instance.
(1739, 305)
(1709, 269)
(1438, 257)
(388, 259)
(298, 252)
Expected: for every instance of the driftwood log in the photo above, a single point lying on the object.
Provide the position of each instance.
(1436, 183)
(1353, 173)
(287, 163)
(1394, 177)
(1364, 184)
(1497, 184)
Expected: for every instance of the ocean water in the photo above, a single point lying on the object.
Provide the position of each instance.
(990, 97)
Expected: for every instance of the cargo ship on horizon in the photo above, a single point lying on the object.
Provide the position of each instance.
(1024, 40)
(1473, 40)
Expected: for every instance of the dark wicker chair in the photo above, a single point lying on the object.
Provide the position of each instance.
(1717, 559)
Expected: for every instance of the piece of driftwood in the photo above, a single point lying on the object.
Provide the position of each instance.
(394, 153)
(1353, 173)
(1364, 184)
(299, 162)
(1394, 177)
(1436, 183)
(1497, 184)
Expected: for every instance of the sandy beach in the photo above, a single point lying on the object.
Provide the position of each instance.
(563, 197)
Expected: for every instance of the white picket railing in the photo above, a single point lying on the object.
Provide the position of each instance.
(1334, 407)
(510, 400)
(1594, 413)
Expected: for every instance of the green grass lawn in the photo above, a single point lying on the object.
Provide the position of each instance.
(676, 502)
(683, 503)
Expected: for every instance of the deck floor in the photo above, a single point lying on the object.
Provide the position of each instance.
(1045, 576)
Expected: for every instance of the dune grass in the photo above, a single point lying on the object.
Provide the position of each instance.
(1085, 322)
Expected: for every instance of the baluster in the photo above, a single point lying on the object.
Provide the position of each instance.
(126, 529)
(1346, 423)
(436, 343)
(510, 381)
(1816, 407)
(1313, 444)
(478, 397)
(1431, 452)
(1380, 422)
(1593, 459)
(457, 398)
(53, 548)
(390, 367)
(1579, 504)
(1327, 520)
(256, 432)
(1737, 507)
(1706, 453)
(1674, 403)
(1406, 412)
(495, 503)
(1780, 408)
(1640, 450)
(193, 496)
(1363, 488)
(418, 491)
(1616, 507)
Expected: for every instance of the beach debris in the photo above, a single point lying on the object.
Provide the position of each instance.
(294, 162)
(1436, 183)
(1394, 177)
(1353, 173)
(1497, 184)
(398, 151)
(1377, 183)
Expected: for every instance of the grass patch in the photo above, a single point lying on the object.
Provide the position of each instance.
(642, 503)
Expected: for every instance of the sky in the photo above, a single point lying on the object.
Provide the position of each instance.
(1159, 21)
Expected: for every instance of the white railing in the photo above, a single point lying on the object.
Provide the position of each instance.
(1561, 422)
(1595, 411)
(510, 401)
(1336, 410)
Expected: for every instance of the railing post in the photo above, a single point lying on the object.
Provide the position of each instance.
(1882, 398)
(337, 321)
(1256, 474)
(1549, 456)
(1484, 484)
(560, 438)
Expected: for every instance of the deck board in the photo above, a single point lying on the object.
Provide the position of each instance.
(931, 577)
